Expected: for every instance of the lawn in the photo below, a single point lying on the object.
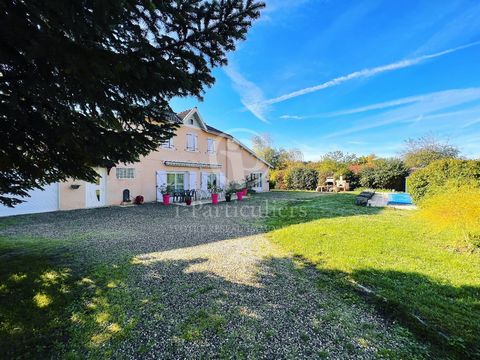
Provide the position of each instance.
(418, 274)
(268, 277)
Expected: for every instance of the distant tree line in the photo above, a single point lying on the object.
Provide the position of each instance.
(290, 171)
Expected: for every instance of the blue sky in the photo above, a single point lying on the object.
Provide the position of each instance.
(358, 76)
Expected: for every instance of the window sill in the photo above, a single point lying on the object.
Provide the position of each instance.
(193, 151)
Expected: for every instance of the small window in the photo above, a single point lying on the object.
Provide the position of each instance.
(211, 146)
(125, 173)
(191, 121)
(168, 144)
(192, 141)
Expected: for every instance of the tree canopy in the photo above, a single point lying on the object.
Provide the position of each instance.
(421, 152)
(279, 158)
(87, 83)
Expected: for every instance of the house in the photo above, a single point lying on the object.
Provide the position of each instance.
(197, 156)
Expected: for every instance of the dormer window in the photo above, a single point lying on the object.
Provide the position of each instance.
(191, 121)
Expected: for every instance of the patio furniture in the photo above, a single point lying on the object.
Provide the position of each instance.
(363, 197)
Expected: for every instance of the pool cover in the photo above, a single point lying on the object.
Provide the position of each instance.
(399, 199)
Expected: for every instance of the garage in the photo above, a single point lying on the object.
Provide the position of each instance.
(39, 201)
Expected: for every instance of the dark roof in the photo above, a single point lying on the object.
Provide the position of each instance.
(172, 117)
(183, 114)
(211, 128)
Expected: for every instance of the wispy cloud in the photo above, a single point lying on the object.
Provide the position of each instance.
(366, 73)
(427, 107)
(251, 95)
(367, 108)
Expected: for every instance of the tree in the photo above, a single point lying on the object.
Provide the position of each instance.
(87, 83)
(385, 174)
(422, 151)
(279, 158)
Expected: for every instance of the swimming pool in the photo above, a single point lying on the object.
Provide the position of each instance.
(399, 199)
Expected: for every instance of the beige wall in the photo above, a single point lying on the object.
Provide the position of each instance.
(235, 161)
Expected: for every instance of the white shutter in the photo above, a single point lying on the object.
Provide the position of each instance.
(186, 180)
(222, 181)
(192, 180)
(204, 183)
(189, 141)
(161, 181)
(195, 142)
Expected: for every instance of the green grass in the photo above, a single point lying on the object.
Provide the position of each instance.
(420, 272)
(50, 304)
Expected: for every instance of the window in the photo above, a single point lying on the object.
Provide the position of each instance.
(210, 146)
(192, 141)
(211, 180)
(168, 144)
(176, 181)
(256, 180)
(191, 121)
(125, 173)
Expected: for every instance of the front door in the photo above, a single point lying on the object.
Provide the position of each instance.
(96, 191)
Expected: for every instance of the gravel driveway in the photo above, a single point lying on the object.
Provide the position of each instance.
(204, 282)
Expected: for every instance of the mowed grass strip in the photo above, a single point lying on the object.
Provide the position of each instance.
(421, 272)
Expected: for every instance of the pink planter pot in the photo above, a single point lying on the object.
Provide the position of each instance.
(239, 195)
(245, 192)
(215, 199)
(166, 199)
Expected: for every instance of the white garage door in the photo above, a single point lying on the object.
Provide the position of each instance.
(40, 201)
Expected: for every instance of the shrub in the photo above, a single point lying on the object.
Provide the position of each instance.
(385, 174)
(367, 177)
(352, 178)
(454, 207)
(301, 178)
(277, 179)
(438, 173)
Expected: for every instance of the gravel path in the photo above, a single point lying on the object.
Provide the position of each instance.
(212, 286)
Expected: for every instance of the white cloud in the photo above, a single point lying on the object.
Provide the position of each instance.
(427, 107)
(251, 95)
(366, 73)
(291, 117)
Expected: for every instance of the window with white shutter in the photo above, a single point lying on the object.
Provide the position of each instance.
(168, 144)
(210, 146)
(192, 142)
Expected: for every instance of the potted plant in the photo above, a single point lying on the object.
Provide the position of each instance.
(165, 190)
(215, 191)
(188, 200)
(139, 199)
(231, 189)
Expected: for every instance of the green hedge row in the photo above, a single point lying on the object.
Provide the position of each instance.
(436, 175)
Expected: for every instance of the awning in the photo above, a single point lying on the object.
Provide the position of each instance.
(192, 164)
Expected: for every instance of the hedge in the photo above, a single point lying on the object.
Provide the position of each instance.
(437, 174)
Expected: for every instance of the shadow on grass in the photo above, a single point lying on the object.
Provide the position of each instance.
(51, 306)
(291, 309)
(166, 309)
(282, 213)
(449, 316)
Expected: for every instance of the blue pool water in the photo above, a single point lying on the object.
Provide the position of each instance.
(399, 199)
